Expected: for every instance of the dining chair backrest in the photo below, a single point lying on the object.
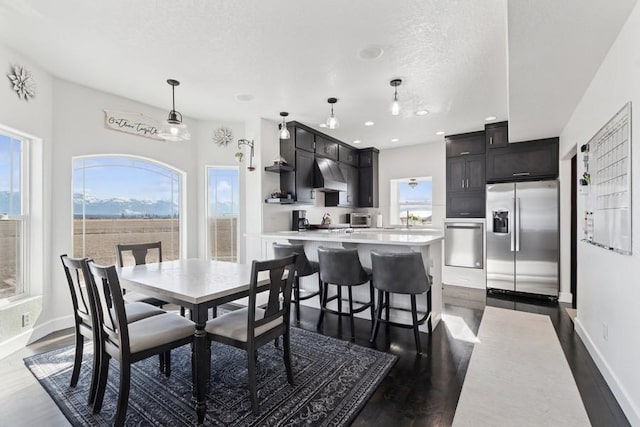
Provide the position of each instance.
(303, 266)
(340, 266)
(81, 298)
(109, 304)
(400, 273)
(139, 252)
(281, 275)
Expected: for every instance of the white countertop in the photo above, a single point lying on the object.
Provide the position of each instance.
(386, 237)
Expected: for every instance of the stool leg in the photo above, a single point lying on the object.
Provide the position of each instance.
(416, 332)
(353, 328)
(340, 298)
(296, 292)
(376, 323)
(429, 310)
(323, 302)
(387, 305)
(373, 300)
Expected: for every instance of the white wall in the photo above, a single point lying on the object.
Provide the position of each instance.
(608, 288)
(414, 161)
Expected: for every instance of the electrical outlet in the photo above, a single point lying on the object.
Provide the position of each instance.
(605, 332)
(25, 320)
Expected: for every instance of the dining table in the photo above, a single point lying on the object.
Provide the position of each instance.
(197, 285)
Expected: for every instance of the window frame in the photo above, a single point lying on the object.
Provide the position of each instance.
(394, 204)
(207, 243)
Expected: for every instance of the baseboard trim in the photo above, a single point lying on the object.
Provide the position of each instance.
(565, 297)
(619, 391)
(25, 338)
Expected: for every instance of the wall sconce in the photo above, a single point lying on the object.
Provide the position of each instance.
(239, 155)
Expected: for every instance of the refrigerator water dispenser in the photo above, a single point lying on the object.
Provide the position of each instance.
(500, 222)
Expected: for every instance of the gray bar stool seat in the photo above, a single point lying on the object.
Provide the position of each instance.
(304, 268)
(342, 267)
(400, 273)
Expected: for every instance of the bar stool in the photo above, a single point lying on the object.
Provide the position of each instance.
(304, 268)
(400, 273)
(341, 267)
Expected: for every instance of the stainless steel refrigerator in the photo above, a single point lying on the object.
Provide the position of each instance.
(523, 237)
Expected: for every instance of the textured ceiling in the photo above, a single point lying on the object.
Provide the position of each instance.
(291, 55)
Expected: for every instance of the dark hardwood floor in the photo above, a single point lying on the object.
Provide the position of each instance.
(419, 391)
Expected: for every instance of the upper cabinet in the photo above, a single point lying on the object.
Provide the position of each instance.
(496, 135)
(304, 139)
(326, 148)
(465, 144)
(368, 176)
(348, 155)
(523, 161)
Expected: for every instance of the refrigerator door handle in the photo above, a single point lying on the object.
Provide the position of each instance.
(512, 231)
(517, 224)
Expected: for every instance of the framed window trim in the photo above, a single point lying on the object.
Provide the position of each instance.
(182, 183)
(395, 206)
(207, 226)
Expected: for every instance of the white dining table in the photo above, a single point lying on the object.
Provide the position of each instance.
(197, 285)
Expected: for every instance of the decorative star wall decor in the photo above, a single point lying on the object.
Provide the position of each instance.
(222, 136)
(23, 82)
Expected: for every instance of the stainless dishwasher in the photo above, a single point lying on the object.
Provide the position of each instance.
(463, 244)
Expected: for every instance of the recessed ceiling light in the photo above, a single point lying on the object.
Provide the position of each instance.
(356, 141)
(490, 118)
(323, 125)
(244, 97)
(395, 140)
(369, 123)
(371, 52)
(422, 113)
(440, 132)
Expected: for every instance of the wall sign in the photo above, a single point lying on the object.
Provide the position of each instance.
(606, 183)
(132, 123)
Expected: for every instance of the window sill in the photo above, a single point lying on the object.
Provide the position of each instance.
(9, 304)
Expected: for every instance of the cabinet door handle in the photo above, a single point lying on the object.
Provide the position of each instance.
(464, 213)
(467, 182)
(490, 140)
(464, 152)
(462, 182)
(522, 174)
(369, 199)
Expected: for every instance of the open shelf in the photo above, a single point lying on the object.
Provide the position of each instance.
(277, 168)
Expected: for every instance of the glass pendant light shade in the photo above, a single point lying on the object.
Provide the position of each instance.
(395, 105)
(332, 121)
(173, 129)
(284, 132)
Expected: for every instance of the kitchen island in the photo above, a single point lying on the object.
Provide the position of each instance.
(426, 242)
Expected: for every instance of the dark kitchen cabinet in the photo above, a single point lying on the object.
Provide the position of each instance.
(496, 135)
(465, 144)
(347, 198)
(304, 140)
(326, 148)
(368, 177)
(304, 177)
(466, 205)
(347, 155)
(523, 161)
(465, 173)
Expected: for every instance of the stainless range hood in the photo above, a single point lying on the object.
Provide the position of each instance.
(327, 176)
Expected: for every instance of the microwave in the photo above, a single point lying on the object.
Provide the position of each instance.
(359, 220)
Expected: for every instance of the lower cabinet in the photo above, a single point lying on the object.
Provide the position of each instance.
(466, 205)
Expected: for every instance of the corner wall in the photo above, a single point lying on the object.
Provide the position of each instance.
(608, 287)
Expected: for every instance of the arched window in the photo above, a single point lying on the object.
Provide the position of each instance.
(124, 199)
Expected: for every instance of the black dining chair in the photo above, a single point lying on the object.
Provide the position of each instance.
(342, 268)
(304, 268)
(85, 321)
(140, 251)
(128, 343)
(252, 327)
(400, 273)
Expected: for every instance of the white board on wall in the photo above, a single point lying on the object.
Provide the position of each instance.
(608, 173)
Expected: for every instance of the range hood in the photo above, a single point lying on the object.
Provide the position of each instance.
(327, 176)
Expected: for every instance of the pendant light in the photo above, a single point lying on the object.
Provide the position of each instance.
(284, 132)
(173, 129)
(332, 121)
(395, 105)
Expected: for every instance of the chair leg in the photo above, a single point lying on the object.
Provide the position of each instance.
(276, 342)
(353, 328)
(77, 361)
(414, 316)
(296, 292)
(95, 371)
(429, 310)
(376, 323)
(323, 303)
(287, 355)
(167, 364)
(102, 382)
(123, 395)
(253, 393)
(182, 313)
(161, 360)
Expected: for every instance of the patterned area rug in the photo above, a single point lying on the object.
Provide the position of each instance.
(333, 381)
